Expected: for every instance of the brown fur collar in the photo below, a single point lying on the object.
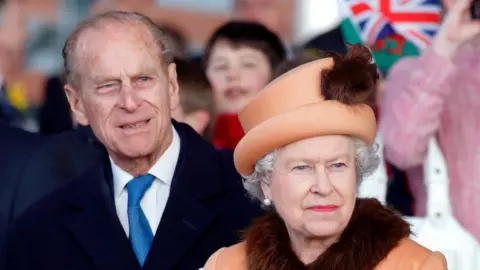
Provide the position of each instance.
(373, 231)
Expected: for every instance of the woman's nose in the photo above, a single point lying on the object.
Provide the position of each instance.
(322, 184)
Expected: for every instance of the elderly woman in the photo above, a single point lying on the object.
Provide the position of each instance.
(308, 144)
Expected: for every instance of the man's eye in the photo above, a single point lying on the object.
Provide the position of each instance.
(143, 81)
(110, 85)
(106, 87)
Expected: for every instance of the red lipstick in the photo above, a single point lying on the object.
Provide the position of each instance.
(323, 208)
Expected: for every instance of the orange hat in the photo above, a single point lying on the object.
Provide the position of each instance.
(322, 97)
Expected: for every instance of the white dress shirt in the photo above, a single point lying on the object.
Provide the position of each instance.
(155, 199)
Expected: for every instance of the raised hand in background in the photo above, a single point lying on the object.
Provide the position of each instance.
(457, 28)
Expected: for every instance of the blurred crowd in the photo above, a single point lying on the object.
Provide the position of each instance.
(427, 88)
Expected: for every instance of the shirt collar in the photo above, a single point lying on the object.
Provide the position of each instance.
(163, 169)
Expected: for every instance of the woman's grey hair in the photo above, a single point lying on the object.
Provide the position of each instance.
(120, 17)
(367, 161)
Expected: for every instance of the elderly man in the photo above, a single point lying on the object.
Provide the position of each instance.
(160, 197)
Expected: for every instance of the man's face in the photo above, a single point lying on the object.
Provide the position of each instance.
(124, 90)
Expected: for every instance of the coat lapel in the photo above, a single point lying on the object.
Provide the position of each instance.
(94, 222)
(186, 217)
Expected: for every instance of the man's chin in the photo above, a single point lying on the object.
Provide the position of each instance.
(137, 153)
(134, 151)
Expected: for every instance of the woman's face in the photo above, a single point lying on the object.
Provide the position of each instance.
(313, 185)
(236, 74)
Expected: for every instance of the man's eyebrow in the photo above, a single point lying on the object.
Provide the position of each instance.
(102, 79)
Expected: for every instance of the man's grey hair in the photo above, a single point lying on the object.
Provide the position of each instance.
(99, 21)
(367, 161)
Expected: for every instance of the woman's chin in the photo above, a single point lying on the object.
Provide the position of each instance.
(324, 229)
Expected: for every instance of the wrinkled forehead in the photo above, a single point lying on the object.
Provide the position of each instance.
(112, 48)
(115, 36)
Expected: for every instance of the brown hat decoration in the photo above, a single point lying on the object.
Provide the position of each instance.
(324, 97)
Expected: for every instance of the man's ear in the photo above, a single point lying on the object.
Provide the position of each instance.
(76, 104)
(173, 87)
(198, 120)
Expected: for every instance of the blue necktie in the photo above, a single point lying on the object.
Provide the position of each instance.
(141, 235)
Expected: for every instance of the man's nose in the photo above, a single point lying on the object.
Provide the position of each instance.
(129, 99)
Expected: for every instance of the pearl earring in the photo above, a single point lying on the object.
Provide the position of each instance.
(267, 202)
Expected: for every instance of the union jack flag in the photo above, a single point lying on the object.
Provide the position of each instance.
(416, 20)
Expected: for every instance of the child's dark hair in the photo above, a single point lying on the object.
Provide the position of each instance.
(250, 34)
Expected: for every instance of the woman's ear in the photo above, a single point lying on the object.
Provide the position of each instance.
(266, 190)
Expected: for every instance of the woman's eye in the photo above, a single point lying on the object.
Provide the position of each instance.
(301, 167)
(339, 165)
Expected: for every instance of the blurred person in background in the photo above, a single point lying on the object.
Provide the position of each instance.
(437, 94)
(159, 196)
(35, 32)
(197, 108)
(49, 24)
(16, 147)
(13, 36)
(33, 166)
(46, 25)
(239, 59)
